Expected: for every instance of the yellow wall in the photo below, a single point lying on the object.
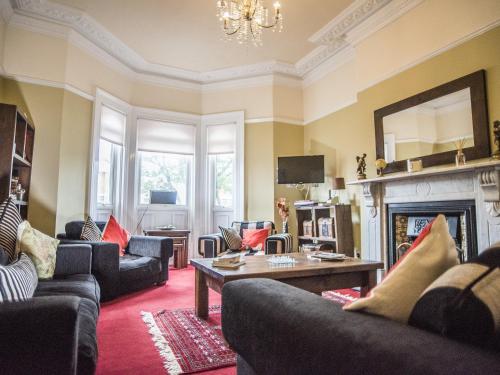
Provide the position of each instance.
(259, 171)
(350, 131)
(288, 141)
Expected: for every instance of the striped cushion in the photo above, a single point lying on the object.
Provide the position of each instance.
(279, 243)
(9, 222)
(90, 231)
(240, 225)
(232, 238)
(18, 280)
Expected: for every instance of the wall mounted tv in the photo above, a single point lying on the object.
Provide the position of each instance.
(301, 169)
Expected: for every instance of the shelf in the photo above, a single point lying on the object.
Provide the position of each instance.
(21, 162)
(328, 239)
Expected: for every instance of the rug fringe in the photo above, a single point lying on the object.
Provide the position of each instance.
(170, 362)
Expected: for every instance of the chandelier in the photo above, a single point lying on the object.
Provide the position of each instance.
(244, 20)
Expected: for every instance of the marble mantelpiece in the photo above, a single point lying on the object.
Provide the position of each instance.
(477, 180)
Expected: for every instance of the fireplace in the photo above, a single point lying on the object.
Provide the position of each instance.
(406, 220)
(468, 195)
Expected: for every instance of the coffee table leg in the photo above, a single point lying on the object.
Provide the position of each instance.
(201, 295)
(371, 281)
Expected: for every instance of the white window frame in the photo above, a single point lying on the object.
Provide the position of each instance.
(103, 98)
(206, 201)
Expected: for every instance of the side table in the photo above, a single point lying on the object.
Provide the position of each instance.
(181, 243)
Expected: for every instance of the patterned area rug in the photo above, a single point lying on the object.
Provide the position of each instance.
(188, 344)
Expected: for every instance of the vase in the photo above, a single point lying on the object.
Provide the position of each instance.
(460, 158)
(285, 226)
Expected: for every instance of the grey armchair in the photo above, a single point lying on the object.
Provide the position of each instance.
(145, 262)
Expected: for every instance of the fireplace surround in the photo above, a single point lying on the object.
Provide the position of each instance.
(473, 190)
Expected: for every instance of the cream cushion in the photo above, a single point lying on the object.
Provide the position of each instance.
(39, 247)
(399, 291)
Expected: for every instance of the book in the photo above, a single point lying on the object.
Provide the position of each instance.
(227, 259)
(230, 266)
(330, 256)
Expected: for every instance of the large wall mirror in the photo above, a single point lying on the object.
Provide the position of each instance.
(428, 124)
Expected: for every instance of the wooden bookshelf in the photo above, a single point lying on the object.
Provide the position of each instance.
(342, 240)
(17, 137)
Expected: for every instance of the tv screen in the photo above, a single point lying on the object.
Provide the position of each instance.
(301, 169)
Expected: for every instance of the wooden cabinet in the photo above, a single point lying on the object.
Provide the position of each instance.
(341, 237)
(17, 136)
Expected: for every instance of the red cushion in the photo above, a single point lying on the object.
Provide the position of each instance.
(113, 232)
(255, 238)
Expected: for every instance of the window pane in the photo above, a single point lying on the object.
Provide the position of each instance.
(224, 164)
(105, 178)
(161, 171)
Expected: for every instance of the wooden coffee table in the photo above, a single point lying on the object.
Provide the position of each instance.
(312, 275)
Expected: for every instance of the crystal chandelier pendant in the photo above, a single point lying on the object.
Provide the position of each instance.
(244, 20)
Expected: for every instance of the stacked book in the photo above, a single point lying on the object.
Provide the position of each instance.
(230, 261)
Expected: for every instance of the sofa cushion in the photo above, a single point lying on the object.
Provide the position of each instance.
(74, 229)
(9, 221)
(90, 231)
(138, 265)
(39, 247)
(18, 280)
(432, 254)
(84, 286)
(463, 303)
(115, 233)
(232, 238)
(87, 337)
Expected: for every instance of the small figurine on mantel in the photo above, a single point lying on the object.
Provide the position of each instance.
(380, 164)
(496, 134)
(361, 167)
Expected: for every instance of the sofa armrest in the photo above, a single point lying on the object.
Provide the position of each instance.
(279, 329)
(279, 243)
(152, 246)
(211, 245)
(39, 336)
(73, 259)
(105, 266)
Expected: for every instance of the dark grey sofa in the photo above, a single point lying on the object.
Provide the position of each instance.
(279, 329)
(54, 332)
(144, 264)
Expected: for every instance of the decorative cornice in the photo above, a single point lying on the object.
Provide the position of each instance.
(331, 40)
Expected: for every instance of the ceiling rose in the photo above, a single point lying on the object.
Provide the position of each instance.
(244, 20)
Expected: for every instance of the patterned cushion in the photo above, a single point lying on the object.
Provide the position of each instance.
(232, 238)
(40, 248)
(432, 253)
(90, 231)
(9, 222)
(18, 280)
(464, 303)
(240, 225)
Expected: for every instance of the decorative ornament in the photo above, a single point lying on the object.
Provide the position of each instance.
(380, 164)
(460, 156)
(496, 135)
(361, 170)
(284, 212)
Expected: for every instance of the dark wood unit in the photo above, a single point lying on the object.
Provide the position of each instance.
(17, 136)
(342, 239)
(477, 83)
(181, 243)
(311, 275)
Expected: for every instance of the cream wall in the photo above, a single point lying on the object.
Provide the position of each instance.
(350, 131)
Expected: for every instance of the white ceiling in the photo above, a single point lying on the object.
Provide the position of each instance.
(186, 33)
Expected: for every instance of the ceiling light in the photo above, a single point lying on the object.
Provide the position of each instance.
(244, 20)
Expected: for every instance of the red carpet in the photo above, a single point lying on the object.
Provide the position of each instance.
(125, 346)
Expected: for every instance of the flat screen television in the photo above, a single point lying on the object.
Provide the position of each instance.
(301, 169)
